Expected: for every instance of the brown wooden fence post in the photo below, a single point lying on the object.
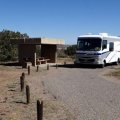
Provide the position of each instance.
(56, 66)
(28, 70)
(37, 68)
(39, 110)
(65, 63)
(27, 94)
(23, 75)
(22, 83)
(48, 67)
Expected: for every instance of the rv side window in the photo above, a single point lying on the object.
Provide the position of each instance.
(104, 44)
(111, 46)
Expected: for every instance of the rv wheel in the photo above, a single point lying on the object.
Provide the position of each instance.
(103, 65)
(117, 62)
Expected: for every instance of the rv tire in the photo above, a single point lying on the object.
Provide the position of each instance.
(103, 65)
(117, 62)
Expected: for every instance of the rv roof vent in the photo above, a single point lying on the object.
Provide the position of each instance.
(103, 34)
(89, 33)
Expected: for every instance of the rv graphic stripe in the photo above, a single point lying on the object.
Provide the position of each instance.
(93, 53)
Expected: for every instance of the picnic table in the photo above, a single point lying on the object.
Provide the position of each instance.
(41, 60)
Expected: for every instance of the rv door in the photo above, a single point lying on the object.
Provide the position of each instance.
(104, 44)
(111, 46)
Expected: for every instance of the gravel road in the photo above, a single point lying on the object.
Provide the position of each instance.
(86, 91)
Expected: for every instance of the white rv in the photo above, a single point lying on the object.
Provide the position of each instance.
(98, 49)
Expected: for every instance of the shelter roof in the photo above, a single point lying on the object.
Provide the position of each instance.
(41, 41)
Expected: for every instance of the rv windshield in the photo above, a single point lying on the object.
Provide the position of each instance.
(89, 44)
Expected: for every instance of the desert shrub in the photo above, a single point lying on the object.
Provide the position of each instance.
(8, 44)
(71, 50)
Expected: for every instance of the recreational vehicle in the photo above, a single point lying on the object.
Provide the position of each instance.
(98, 49)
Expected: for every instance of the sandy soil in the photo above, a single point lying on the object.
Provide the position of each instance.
(13, 102)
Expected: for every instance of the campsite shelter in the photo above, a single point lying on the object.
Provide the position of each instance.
(27, 49)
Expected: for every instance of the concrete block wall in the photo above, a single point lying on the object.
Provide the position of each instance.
(27, 52)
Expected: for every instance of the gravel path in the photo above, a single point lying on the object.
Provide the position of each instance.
(87, 93)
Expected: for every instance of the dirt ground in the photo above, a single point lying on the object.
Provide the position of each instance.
(13, 102)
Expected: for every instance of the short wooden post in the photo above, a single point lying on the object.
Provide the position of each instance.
(22, 83)
(65, 63)
(23, 75)
(39, 110)
(56, 66)
(37, 68)
(28, 70)
(48, 66)
(27, 94)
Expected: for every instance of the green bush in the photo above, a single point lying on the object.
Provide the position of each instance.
(8, 44)
(71, 50)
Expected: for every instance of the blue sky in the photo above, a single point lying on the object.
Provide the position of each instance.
(64, 19)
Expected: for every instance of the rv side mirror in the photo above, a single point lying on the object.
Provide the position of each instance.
(104, 46)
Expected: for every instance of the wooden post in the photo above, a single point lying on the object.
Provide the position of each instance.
(28, 70)
(48, 66)
(37, 68)
(22, 83)
(39, 110)
(65, 63)
(23, 75)
(56, 66)
(27, 94)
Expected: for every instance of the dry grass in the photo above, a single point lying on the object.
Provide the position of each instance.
(114, 72)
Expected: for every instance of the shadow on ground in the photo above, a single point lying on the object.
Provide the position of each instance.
(76, 66)
(82, 66)
(10, 64)
(20, 102)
